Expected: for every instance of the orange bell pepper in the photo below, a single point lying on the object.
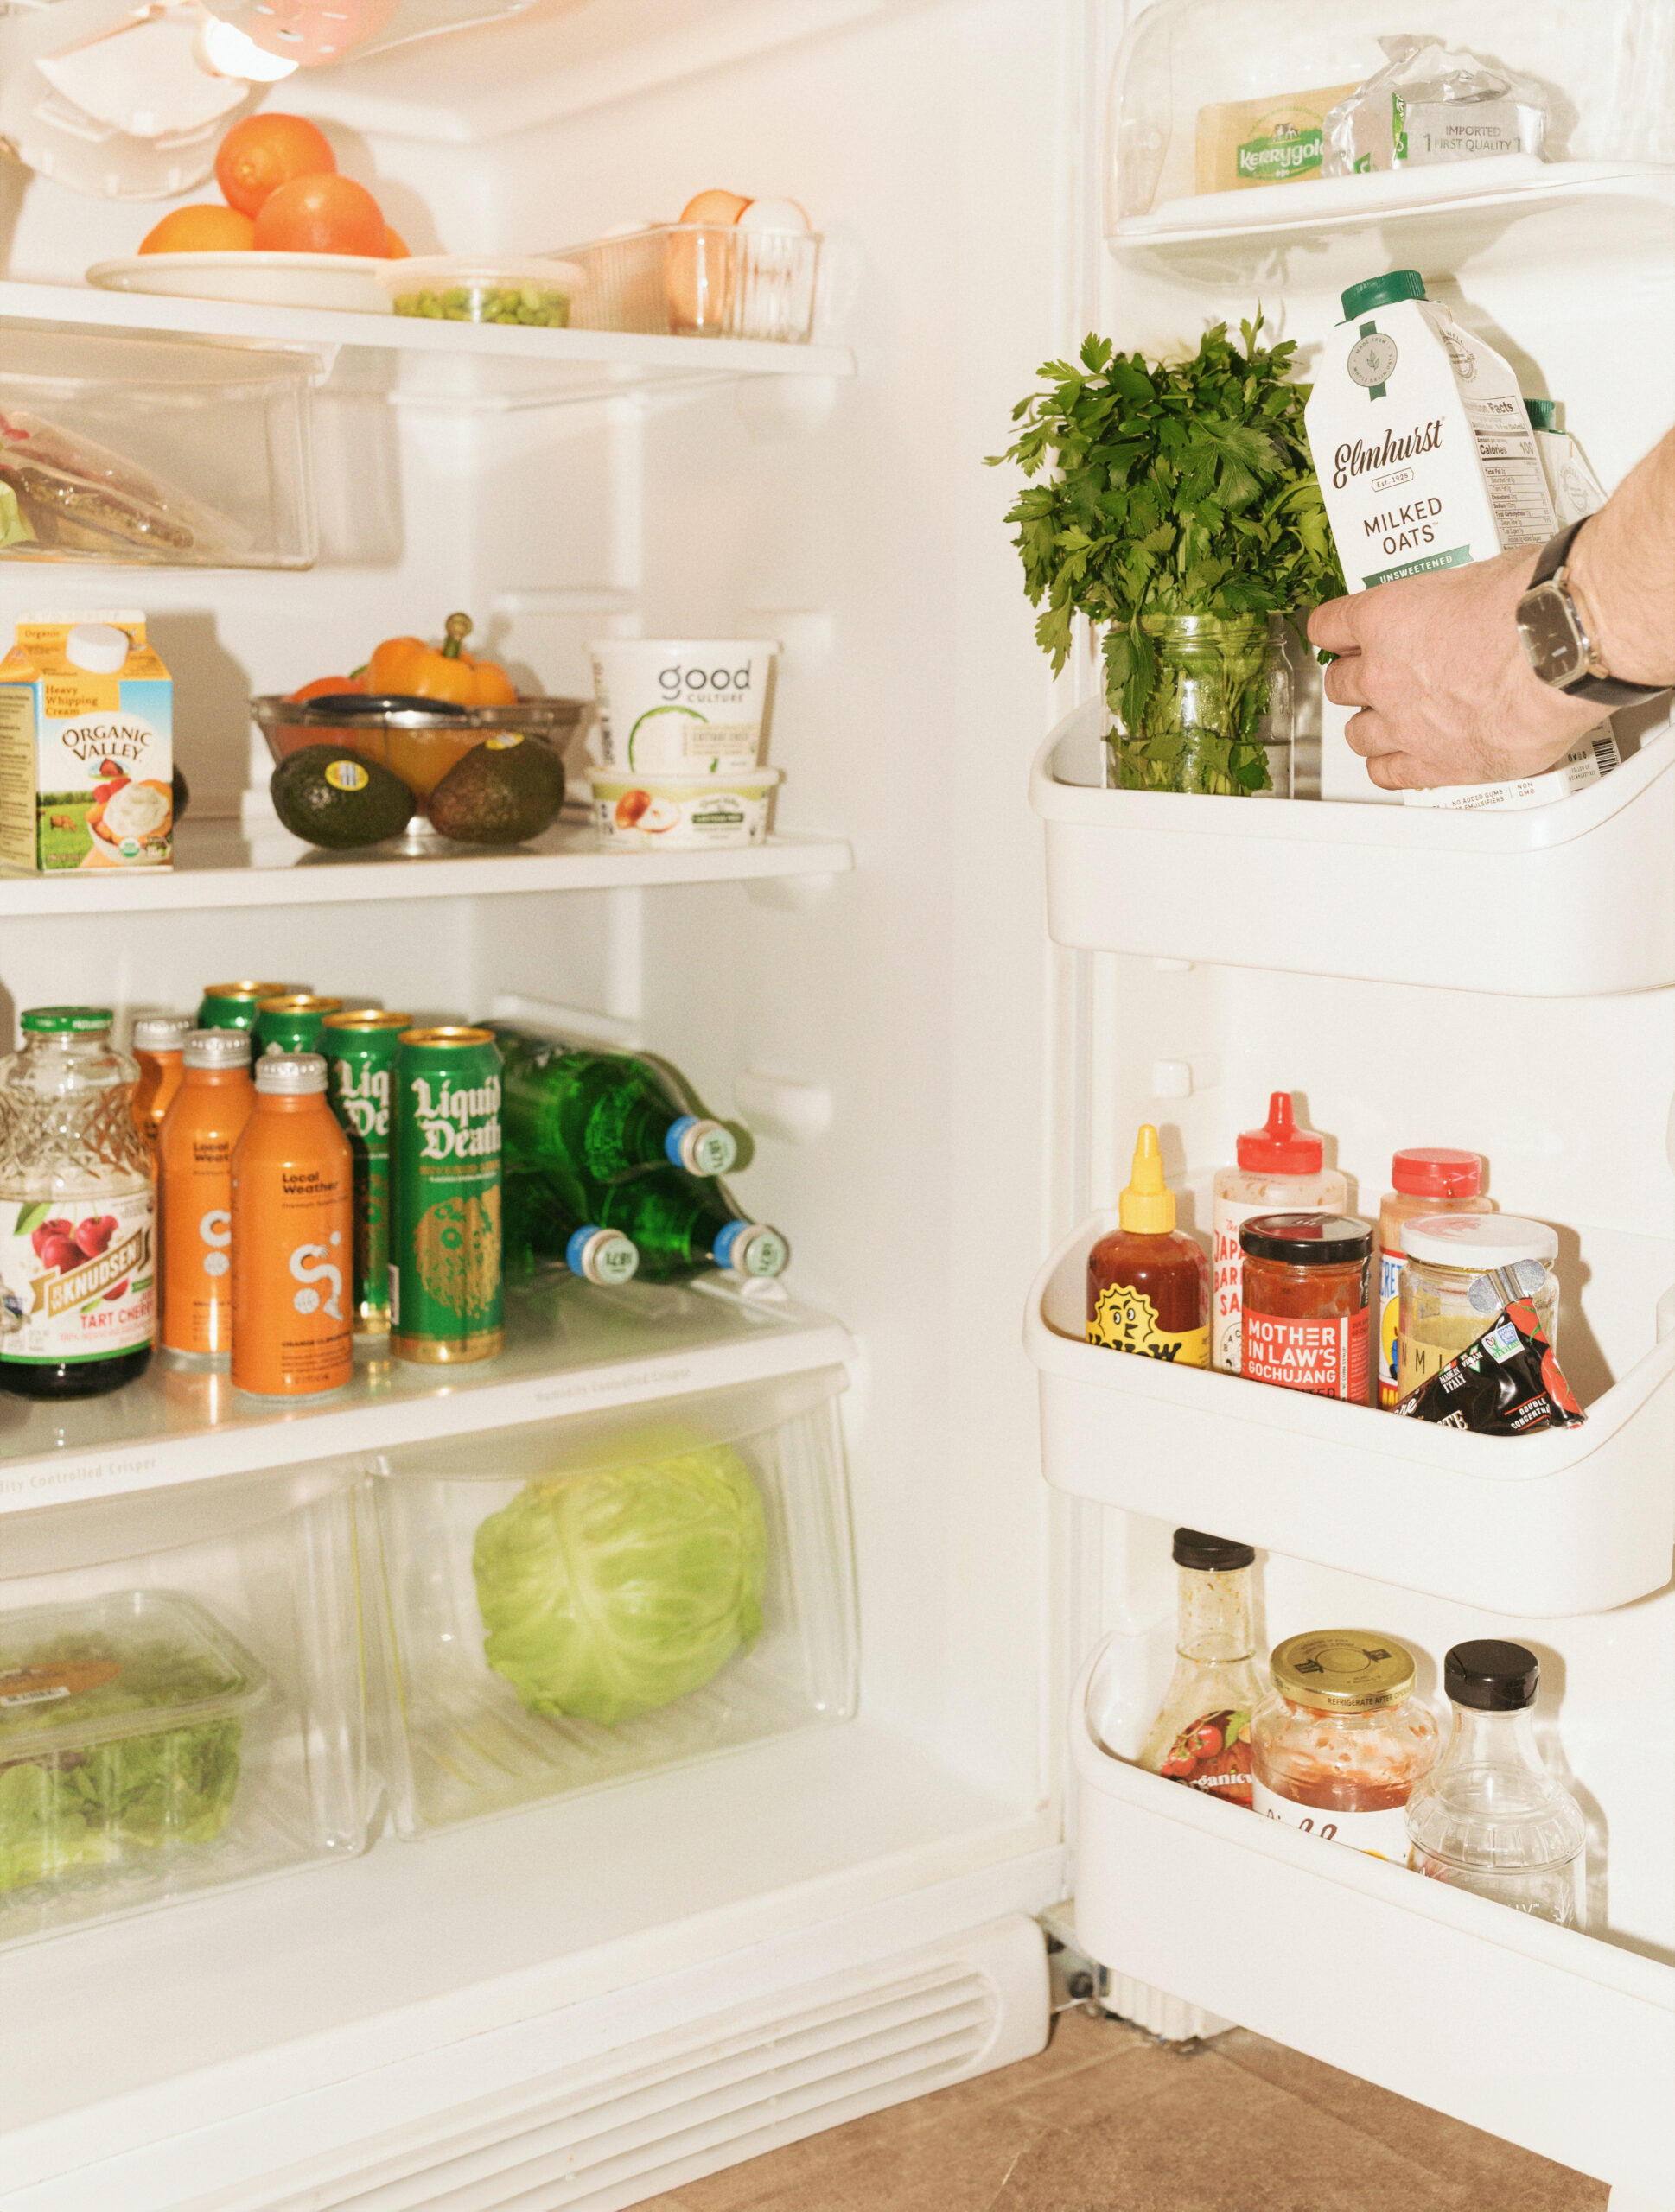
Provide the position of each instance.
(410, 667)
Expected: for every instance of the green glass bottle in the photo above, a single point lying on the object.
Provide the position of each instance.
(539, 1222)
(602, 1116)
(681, 1226)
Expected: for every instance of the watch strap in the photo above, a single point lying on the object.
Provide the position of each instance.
(1604, 690)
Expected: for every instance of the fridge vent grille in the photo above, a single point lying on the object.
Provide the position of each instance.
(704, 2102)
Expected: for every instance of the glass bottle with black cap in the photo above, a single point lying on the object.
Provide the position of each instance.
(1490, 1817)
(1202, 1734)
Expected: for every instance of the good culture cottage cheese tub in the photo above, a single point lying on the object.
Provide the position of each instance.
(687, 812)
(694, 706)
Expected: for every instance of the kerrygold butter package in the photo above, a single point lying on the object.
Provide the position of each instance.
(87, 746)
(1273, 141)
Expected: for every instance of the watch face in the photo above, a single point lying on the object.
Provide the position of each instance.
(1549, 636)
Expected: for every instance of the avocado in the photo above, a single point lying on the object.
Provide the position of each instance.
(338, 798)
(505, 790)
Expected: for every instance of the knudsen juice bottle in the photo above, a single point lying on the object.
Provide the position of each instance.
(1148, 1286)
(445, 1303)
(360, 1065)
(157, 1039)
(293, 1236)
(200, 1135)
(77, 1211)
(232, 1006)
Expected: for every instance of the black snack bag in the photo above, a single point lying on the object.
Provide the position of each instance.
(1506, 1384)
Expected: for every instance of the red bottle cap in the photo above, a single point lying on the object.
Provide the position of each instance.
(1281, 1148)
(1433, 1171)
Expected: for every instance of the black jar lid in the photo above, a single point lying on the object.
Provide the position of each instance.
(1210, 1554)
(1307, 1240)
(1491, 1676)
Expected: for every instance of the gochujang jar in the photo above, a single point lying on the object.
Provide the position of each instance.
(1340, 1740)
(1306, 1294)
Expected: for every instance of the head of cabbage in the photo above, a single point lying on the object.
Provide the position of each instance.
(605, 1594)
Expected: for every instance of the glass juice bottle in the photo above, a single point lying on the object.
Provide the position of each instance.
(1341, 1741)
(77, 1211)
(1490, 1817)
(1201, 1736)
(1281, 1170)
(1149, 1286)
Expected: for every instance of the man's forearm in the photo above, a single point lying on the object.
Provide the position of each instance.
(1623, 572)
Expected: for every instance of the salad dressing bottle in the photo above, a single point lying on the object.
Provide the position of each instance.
(1201, 1736)
(1149, 1286)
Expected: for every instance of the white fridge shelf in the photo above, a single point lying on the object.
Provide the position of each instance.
(571, 1347)
(216, 865)
(1564, 2043)
(1572, 1521)
(1559, 901)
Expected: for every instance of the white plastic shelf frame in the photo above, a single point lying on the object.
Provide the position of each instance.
(1564, 2043)
(1571, 1520)
(1558, 901)
(571, 1347)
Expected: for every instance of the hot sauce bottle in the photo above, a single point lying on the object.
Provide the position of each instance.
(1148, 1286)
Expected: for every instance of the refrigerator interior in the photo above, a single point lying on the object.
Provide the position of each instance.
(849, 518)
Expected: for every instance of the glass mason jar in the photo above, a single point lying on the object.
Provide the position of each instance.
(1447, 1297)
(1218, 717)
(1340, 1740)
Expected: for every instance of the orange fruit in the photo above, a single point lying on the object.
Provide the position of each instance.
(203, 229)
(713, 208)
(264, 151)
(321, 215)
(396, 247)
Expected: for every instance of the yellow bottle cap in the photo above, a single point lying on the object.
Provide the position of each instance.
(1147, 1207)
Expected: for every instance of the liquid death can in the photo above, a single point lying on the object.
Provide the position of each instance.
(360, 1060)
(291, 1021)
(232, 1006)
(445, 1211)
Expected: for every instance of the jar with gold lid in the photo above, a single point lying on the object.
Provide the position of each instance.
(1342, 1739)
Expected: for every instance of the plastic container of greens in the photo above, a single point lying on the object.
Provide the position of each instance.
(122, 1724)
(482, 288)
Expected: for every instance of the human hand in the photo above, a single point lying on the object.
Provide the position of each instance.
(1446, 692)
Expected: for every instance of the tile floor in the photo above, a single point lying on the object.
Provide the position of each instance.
(1106, 2121)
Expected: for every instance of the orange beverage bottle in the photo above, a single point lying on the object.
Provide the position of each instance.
(157, 1048)
(293, 1236)
(194, 1159)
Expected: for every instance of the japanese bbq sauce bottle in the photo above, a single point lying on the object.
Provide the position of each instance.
(1281, 1170)
(1148, 1286)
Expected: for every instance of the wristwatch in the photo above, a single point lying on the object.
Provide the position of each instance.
(1555, 638)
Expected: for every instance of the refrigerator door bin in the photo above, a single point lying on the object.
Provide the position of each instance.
(1577, 895)
(1564, 2043)
(569, 1604)
(170, 452)
(1571, 1521)
(180, 1697)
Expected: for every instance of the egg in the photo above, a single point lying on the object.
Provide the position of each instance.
(771, 215)
(713, 208)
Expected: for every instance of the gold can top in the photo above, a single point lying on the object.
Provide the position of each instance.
(1343, 1670)
(457, 1033)
(245, 991)
(369, 1017)
(298, 1003)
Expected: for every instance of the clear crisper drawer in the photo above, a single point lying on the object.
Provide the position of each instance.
(180, 1697)
(1570, 1521)
(1560, 901)
(121, 450)
(575, 1601)
(1557, 2040)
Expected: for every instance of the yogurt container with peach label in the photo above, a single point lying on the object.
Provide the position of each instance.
(640, 813)
(682, 706)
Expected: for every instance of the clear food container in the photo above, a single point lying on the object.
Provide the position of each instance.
(572, 1603)
(636, 811)
(1446, 1299)
(128, 449)
(700, 280)
(483, 288)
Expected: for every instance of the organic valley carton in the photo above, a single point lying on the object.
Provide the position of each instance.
(87, 746)
(1424, 454)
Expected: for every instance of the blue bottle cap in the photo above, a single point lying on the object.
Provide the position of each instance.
(702, 1148)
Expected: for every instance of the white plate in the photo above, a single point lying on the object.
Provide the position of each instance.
(277, 280)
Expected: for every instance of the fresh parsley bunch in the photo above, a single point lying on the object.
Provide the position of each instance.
(1178, 488)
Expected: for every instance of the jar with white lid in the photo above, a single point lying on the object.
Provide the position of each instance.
(1461, 1268)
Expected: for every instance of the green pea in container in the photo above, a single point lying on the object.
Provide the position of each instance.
(232, 1006)
(360, 1065)
(445, 1198)
(293, 1022)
